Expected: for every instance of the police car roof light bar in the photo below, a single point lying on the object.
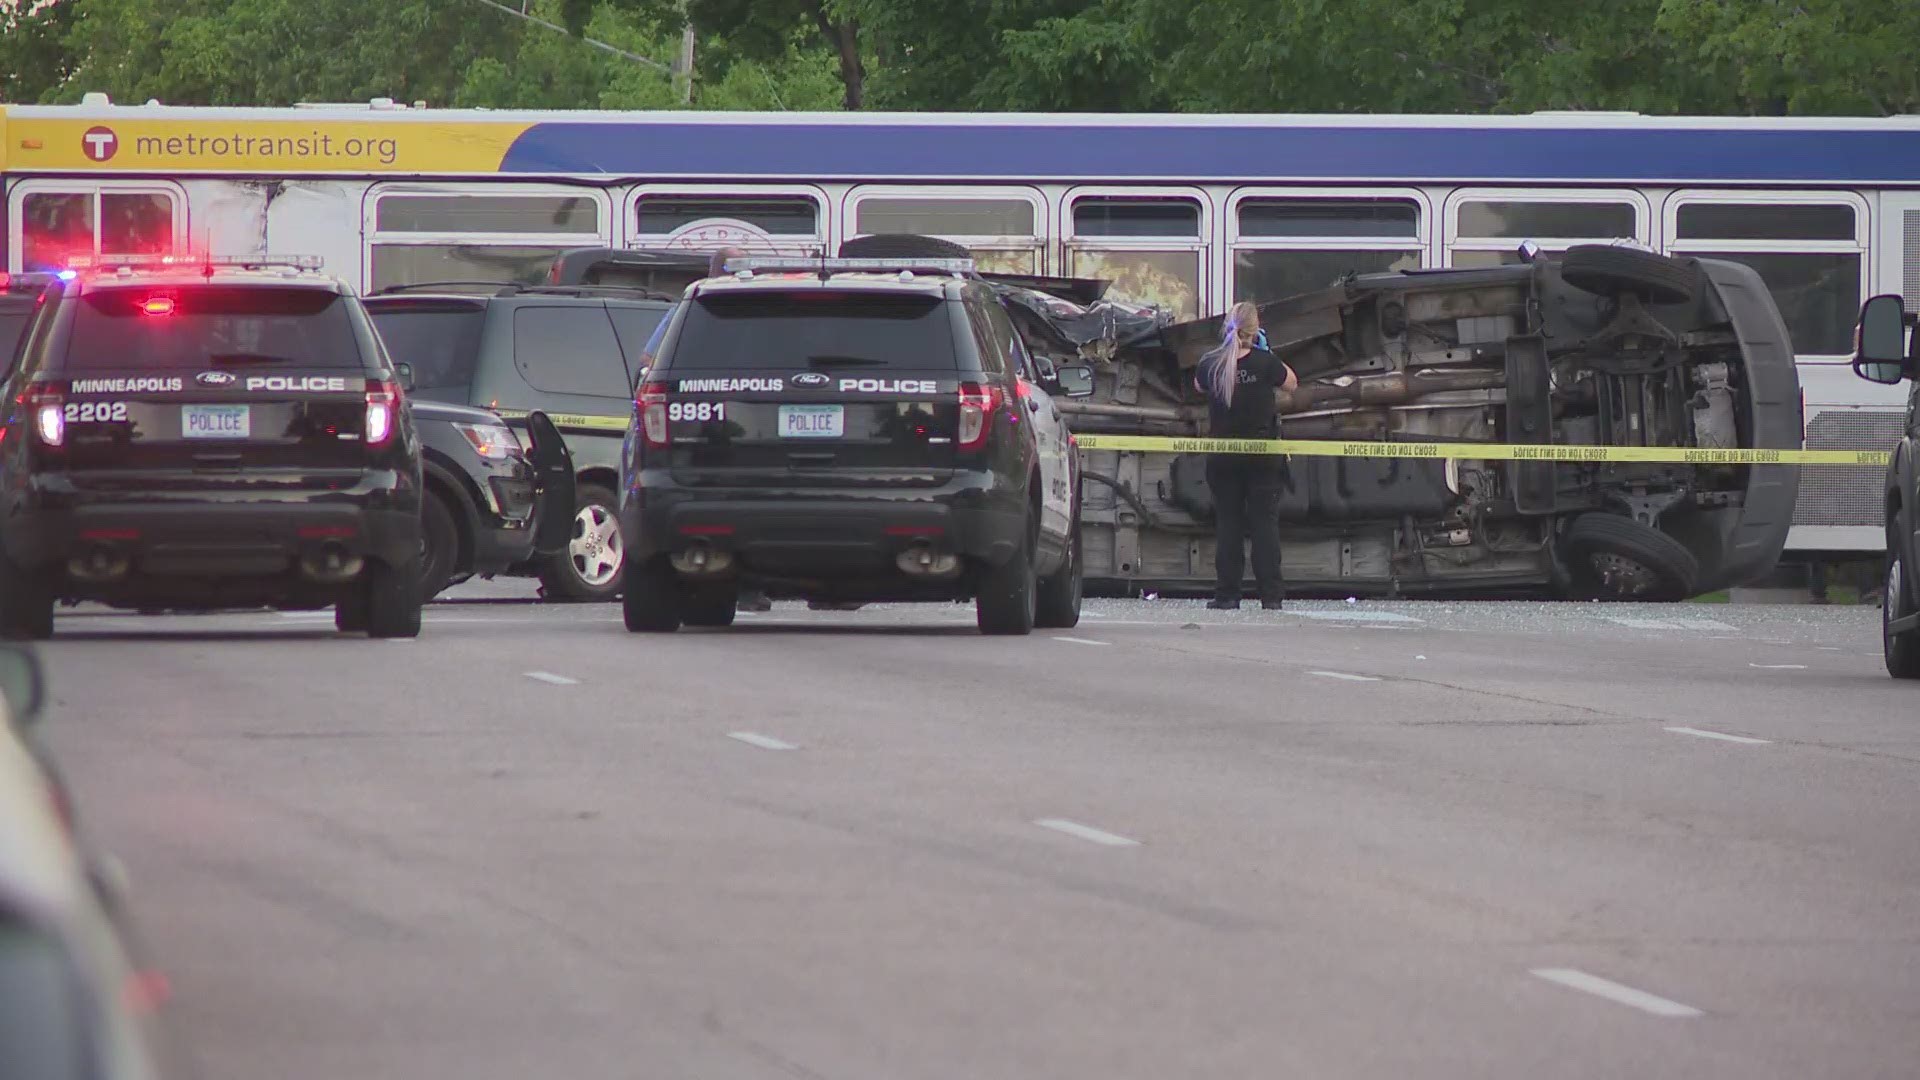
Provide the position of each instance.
(189, 262)
(824, 266)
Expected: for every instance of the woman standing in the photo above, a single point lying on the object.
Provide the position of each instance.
(1240, 378)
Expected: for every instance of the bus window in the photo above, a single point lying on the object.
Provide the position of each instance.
(1810, 254)
(486, 234)
(56, 225)
(135, 223)
(1150, 248)
(1287, 246)
(1002, 230)
(780, 224)
(1488, 231)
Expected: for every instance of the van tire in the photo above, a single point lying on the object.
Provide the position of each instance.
(563, 579)
(1006, 600)
(650, 598)
(1612, 557)
(26, 603)
(440, 532)
(710, 605)
(1902, 651)
(1606, 270)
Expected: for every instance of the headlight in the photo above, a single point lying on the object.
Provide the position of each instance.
(495, 442)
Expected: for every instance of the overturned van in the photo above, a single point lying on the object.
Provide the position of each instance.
(1603, 345)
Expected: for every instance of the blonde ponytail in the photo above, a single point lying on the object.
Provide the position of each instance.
(1220, 366)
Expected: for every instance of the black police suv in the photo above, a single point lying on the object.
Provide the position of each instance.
(845, 431)
(483, 488)
(207, 433)
(571, 351)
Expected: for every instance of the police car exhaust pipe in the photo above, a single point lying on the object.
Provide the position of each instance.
(331, 564)
(921, 560)
(98, 563)
(702, 559)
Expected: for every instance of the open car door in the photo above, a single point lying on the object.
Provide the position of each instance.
(553, 478)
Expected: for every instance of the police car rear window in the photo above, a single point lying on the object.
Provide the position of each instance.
(440, 340)
(211, 326)
(843, 331)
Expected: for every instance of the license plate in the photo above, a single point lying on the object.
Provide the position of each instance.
(215, 422)
(812, 421)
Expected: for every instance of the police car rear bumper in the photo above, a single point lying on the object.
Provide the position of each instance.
(218, 540)
(774, 534)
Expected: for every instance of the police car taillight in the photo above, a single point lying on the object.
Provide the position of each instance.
(651, 402)
(383, 411)
(49, 411)
(978, 403)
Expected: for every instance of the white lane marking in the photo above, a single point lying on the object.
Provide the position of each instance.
(1344, 675)
(1086, 832)
(328, 614)
(1779, 667)
(1357, 616)
(764, 742)
(550, 677)
(1699, 733)
(1080, 640)
(1668, 623)
(1575, 979)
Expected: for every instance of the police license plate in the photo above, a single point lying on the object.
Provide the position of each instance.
(812, 421)
(215, 422)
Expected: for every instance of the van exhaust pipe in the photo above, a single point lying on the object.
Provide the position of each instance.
(702, 560)
(99, 563)
(331, 564)
(921, 561)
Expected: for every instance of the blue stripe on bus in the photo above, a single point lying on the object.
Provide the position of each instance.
(1199, 153)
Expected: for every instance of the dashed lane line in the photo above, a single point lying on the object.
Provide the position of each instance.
(764, 742)
(1700, 733)
(1079, 640)
(551, 678)
(1619, 994)
(1345, 676)
(1087, 832)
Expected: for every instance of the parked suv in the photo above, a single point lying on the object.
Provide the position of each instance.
(1883, 354)
(18, 295)
(570, 351)
(478, 514)
(848, 431)
(207, 433)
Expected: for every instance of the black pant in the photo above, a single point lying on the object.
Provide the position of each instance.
(1246, 501)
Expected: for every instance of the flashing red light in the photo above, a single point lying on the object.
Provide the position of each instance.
(157, 305)
(383, 411)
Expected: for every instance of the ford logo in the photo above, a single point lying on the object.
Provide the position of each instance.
(215, 378)
(811, 379)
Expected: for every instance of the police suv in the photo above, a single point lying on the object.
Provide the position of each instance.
(849, 431)
(198, 433)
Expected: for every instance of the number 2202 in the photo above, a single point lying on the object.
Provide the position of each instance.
(82, 412)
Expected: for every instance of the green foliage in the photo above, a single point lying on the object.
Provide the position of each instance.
(1661, 56)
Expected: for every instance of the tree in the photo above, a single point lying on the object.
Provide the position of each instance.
(760, 31)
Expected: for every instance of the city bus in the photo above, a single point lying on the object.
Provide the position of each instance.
(1187, 212)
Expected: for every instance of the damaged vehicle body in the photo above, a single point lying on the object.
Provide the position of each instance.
(1602, 345)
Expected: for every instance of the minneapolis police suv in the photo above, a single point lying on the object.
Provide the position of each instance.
(197, 433)
(849, 431)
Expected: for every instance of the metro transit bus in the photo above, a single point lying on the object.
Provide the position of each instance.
(1189, 212)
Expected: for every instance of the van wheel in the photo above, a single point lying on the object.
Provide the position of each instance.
(710, 605)
(393, 600)
(1902, 650)
(1006, 600)
(1059, 605)
(26, 603)
(589, 567)
(441, 535)
(350, 611)
(650, 598)
(1606, 270)
(1617, 558)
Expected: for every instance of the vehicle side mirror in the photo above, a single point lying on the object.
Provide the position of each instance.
(404, 372)
(1075, 381)
(1880, 347)
(23, 684)
(553, 479)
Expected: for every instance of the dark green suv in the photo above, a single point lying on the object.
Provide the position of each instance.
(570, 351)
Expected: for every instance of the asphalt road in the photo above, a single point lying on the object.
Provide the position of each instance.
(1372, 840)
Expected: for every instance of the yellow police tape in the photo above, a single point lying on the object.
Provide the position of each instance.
(1668, 455)
(587, 421)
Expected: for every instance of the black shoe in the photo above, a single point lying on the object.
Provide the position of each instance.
(1270, 605)
(1223, 605)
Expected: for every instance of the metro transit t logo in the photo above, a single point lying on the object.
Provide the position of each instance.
(99, 143)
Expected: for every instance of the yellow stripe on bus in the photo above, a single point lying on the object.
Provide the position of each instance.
(1669, 455)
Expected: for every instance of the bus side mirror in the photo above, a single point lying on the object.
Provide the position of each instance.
(1880, 346)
